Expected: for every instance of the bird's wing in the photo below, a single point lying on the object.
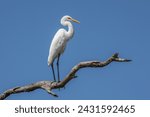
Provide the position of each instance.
(57, 45)
(58, 39)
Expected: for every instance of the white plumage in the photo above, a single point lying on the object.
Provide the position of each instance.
(57, 46)
(59, 42)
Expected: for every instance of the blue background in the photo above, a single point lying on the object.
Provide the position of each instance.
(107, 26)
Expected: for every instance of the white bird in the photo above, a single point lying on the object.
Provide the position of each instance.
(59, 42)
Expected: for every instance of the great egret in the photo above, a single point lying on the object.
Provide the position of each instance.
(59, 42)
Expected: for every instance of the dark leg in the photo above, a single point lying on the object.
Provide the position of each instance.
(53, 72)
(58, 68)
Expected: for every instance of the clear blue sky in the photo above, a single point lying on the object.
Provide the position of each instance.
(107, 26)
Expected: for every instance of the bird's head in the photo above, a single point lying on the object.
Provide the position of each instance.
(68, 18)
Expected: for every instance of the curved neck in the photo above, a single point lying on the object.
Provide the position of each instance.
(70, 31)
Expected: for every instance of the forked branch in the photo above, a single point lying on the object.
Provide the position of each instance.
(49, 85)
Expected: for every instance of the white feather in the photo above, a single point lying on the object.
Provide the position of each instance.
(60, 39)
(57, 46)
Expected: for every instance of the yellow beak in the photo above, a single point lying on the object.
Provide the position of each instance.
(74, 20)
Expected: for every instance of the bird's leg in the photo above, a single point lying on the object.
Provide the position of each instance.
(58, 68)
(53, 72)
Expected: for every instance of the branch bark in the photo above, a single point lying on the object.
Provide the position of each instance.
(48, 86)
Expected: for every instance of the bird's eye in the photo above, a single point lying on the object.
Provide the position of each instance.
(68, 18)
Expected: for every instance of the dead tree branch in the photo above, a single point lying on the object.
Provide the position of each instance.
(49, 85)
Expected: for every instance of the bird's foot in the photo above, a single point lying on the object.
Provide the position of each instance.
(54, 81)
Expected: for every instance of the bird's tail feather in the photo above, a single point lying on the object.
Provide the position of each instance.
(49, 61)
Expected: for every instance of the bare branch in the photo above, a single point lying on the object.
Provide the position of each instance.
(49, 85)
